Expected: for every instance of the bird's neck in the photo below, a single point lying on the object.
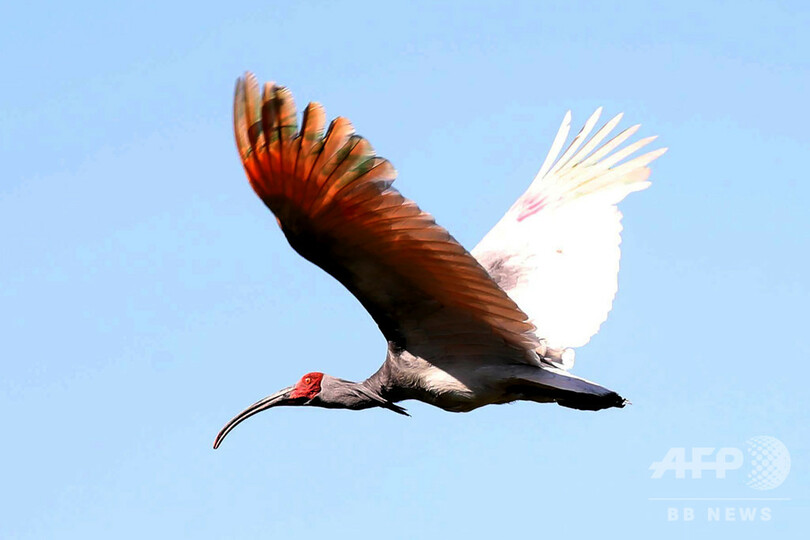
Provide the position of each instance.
(342, 394)
(373, 392)
(376, 391)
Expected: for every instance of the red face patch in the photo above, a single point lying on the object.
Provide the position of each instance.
(308, 387)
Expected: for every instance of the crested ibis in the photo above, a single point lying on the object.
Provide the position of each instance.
(464, 328)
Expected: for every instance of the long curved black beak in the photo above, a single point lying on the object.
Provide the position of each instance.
(282, 397)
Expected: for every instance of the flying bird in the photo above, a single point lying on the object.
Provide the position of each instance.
(464, 328)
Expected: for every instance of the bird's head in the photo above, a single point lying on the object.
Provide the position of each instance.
(301, 393)
(306, 388)
(318, 390)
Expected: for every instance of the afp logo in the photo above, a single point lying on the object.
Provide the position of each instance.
(766, 460)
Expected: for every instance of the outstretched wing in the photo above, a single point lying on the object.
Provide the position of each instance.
(334, 202)
(556, 251)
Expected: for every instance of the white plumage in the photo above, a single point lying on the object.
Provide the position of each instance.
(556, 251)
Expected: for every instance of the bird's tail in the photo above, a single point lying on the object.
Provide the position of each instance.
(549, 383)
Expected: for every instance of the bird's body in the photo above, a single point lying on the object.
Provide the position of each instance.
(464, 329)
(457, 385)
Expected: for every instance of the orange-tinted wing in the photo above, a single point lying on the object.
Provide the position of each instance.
(335, 204)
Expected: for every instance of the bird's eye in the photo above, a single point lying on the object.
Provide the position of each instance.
(308, 380)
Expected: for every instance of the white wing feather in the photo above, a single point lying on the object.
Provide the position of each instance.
(556, 251)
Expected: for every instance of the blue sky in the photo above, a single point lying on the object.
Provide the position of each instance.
(147, 295)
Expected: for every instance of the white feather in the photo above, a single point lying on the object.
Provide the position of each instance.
(556, 251)
(556, 146)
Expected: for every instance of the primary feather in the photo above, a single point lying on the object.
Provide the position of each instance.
(334, 202)
(556, 251)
